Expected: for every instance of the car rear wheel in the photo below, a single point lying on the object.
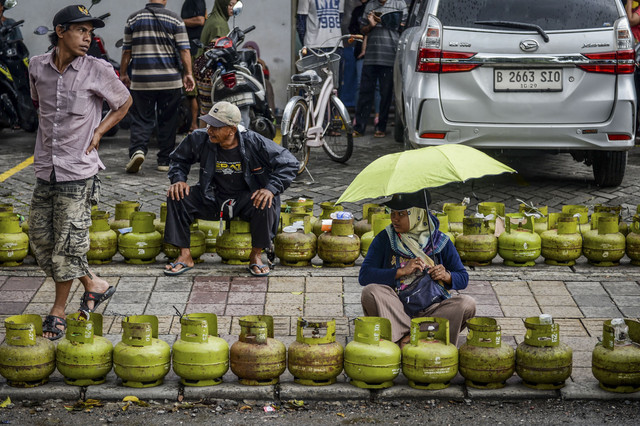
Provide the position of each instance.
(609, 167)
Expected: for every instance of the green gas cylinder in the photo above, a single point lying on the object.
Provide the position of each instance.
(443, 218)
(491, 210)
(581, 212)
(455, 211)
(123, 214)
(200, 357)
(477, 245)
(519, 244)
(26, 358)
(103, 241)
(486, 362)
(340, 247)
(623, 227)
(315, 359)
(257, 358)
(604, 245)
(371, 359)
(616, 360)
(211, 228)
(141, 360)
(234, 245)
(379, 221)
(429, 361)
(327, 208)
(364, 225)
(296, 245)
(6, 207)
(633, 241)
(540, 214)
(14, 244)
(542, 360)
(160, 223)
(197, 245)
(143, 243)
(84, 357)
(563, 245)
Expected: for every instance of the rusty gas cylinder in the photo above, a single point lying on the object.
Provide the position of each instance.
(257, 358)
(315, 359)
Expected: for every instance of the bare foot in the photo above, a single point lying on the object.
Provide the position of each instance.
(402, 342)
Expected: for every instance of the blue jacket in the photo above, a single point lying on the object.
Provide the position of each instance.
(265, 164)
(378, 267)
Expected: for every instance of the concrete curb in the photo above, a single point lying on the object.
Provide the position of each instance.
(171, 390)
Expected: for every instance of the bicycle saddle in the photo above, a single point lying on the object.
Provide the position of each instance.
(309, 76)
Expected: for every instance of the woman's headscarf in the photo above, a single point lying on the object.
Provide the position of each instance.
(216, 24)
(417, 238)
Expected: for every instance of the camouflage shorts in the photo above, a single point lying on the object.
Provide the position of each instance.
(59, 223)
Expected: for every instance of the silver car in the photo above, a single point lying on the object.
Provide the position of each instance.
(507, 74)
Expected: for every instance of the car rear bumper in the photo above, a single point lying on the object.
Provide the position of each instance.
(427, 116)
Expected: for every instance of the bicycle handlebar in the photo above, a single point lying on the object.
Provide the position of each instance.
(351, 37)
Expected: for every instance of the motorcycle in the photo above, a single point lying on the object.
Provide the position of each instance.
(16, 106)
(238, 78)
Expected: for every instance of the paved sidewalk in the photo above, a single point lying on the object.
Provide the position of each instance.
(579, 299)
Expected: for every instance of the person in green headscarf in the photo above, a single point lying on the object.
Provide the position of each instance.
(216, 24)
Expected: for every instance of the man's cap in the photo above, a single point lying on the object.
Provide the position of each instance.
(75, 14)
(222, 114)
(406, 201)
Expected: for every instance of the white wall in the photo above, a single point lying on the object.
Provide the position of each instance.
(272, 19)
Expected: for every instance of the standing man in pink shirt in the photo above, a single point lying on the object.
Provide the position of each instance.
(68, 87)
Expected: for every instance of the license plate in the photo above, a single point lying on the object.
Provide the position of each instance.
(527, 80)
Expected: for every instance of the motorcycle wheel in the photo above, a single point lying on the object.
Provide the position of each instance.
(294, 137)
(338, 140)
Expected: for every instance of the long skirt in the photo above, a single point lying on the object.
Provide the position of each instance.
(380, 300)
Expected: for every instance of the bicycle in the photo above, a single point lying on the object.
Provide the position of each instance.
(314, 115)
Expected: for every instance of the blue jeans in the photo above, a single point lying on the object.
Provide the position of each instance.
(373, 75)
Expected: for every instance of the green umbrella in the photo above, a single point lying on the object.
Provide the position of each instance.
(413, 170)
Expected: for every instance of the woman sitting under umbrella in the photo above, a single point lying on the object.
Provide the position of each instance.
(399, 254)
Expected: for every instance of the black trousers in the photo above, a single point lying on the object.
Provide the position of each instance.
(143, 121)
(182, 213)
(370, 75)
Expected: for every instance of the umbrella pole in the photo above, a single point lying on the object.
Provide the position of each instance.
(426, 203)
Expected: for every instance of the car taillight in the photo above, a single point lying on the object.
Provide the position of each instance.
(618, 137)
(431, 57)
(229, 79)
(622, 61)
(433, 135)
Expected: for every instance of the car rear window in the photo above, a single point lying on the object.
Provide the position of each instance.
(548, 14)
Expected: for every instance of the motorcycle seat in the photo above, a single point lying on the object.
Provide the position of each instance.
(309, 76)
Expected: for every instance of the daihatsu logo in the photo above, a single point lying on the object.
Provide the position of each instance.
(529, 45)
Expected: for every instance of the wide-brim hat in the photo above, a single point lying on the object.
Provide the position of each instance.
(406, 201)
(75, 14)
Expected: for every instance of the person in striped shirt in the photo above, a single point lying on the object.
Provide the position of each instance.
(156, 51)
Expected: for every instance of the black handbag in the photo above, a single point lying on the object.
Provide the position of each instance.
(422, 293)
(172, 42)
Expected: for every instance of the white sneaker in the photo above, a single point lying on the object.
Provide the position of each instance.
(134, 164)
(163, 168)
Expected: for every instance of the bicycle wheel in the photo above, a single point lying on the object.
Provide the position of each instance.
(294, 136)
(338, 140)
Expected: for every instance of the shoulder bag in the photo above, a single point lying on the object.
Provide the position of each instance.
(172, 42)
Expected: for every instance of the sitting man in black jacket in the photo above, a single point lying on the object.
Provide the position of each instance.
(237, 167)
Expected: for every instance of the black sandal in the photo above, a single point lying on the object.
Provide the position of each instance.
(50, 325)
(97, 299)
